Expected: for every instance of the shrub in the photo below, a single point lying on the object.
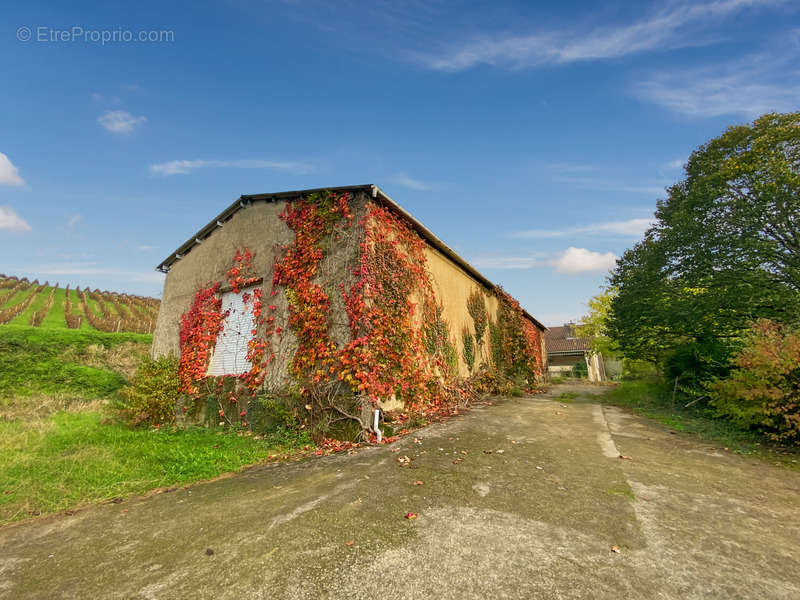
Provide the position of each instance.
(153, 393)
(581, 370)
(694, 363)
(763, 389)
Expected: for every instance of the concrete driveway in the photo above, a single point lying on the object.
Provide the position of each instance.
(528, 498)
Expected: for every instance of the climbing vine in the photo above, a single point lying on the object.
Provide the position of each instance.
(476, 306)
(469, 348)
(515, 342)
(200, 326)
(398, 345)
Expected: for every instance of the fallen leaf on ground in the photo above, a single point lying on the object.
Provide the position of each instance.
(349, 543)
(615, 549)
(463, 452)
(411, 515)
(395, 450)
(625, 457)
(499, 451)
(403, 460)
(458, 460)
(417, 483)
(209, 552)
(487, 451)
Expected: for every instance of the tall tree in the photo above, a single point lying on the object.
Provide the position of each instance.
(725, 248)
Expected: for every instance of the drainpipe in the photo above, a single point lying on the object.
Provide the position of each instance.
(378, 432)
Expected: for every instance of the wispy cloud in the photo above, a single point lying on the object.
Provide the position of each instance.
(9, 174)
(11, 220)
(74, 220)
(92, 269)
(632, 228)
(673, 27)
(145, 248)
(120, 121)
(749, 86)
(571, 261)
(602, 178)
(581, 260)
(673, 165)
(412, 183)
(184, 167)
(531, 261)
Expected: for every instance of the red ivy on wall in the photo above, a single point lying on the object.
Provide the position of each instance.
(200, 326)
(400, 345)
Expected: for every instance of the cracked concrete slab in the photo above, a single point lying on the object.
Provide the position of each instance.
(522, 499)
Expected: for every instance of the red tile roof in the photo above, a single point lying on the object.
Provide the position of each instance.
(563, 339)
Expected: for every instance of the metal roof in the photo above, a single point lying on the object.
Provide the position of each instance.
(376, 193)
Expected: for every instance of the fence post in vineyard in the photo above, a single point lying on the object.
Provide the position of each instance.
(118, 324)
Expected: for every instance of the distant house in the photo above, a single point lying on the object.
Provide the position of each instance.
(566, 352)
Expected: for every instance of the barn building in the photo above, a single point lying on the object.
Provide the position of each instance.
(258, 224)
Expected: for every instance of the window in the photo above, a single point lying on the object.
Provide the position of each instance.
(230, 352)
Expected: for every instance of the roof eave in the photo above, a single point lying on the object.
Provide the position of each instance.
(375, 192)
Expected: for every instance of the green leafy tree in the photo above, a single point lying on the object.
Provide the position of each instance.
(594, 324)
(723, 252)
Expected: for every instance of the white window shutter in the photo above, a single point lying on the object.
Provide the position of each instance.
(230, 352)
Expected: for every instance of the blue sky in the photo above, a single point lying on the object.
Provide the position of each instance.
(535, 140)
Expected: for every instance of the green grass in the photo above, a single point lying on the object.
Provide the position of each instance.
(24, 318)
(94, 306)
(19, 296)
(654, 400)
(80, 363)
(54, 319)
(71, 459)
(567, 396)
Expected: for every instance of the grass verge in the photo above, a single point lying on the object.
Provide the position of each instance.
(654, 400)
(80, 363)
(71, 459)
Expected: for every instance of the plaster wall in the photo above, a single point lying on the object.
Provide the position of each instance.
(258, 228)
(453, 287)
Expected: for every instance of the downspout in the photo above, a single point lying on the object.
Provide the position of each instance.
(375, 428)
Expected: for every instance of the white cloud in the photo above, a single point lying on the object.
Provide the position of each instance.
(674, 164)
(580, 260)
(11, 220)
(511, 262)
(672, 27)
(92, 269)
(9, 174)
(74, 220)
(750, 86)
(145, 248)
(633, 228)
(411, 183)
(120, 121)
(184, 167)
